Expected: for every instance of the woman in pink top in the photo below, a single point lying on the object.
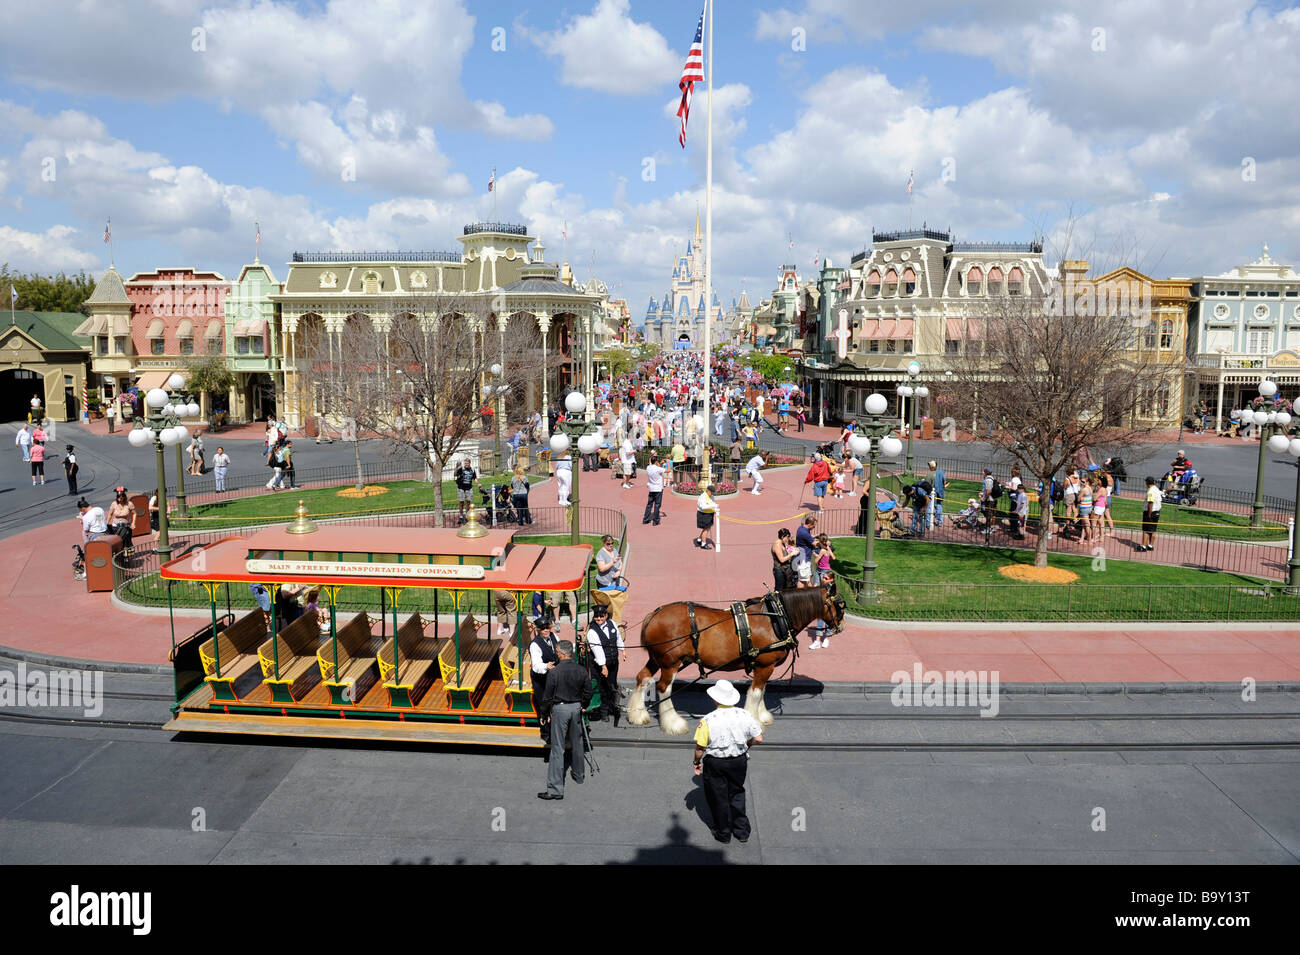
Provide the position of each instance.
(1101, 517)
(38, 462)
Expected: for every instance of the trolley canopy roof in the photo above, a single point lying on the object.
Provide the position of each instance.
(385, 557)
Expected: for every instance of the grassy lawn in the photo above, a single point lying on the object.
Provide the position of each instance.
(322, 502)
(1127, 511)
(957, 582)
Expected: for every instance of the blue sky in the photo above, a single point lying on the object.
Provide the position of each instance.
(1164, 135)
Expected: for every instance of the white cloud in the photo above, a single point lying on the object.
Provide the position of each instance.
(606, 50)
(48, 251)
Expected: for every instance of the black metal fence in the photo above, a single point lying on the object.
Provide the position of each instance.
(1067, 603)
(1252, 559)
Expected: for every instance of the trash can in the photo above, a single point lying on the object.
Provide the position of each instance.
(927, 429)
(140, 526)
(99, 562)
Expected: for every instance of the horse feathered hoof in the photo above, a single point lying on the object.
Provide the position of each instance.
(766, 718)
(674, 725)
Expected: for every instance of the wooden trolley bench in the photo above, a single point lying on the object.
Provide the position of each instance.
(466, 688)
(296, 646)
(357, 669)
(416, 670)
(238, 656)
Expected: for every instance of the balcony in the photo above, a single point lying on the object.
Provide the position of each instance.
(505, 228)
(905, 234)
(998, 247)
(306, 257)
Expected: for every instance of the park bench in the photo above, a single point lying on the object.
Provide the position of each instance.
(466, 688)
(416, 670)
(296, 647)
(357, 669)
(519, 699)
(238, 655)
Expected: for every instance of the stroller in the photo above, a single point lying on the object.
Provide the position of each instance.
(79, 563)
(498, 504)
(971, 517)
(1183, 489)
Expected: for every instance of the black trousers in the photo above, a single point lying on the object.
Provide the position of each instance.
(724, 788)
(539, 691)
(652, 506)
(72, 482)
(520, 502)
(608, 688)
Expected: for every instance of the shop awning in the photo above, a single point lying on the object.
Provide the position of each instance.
(152, 379)
(185, 329)
(888, 328)
(241, 327)
(121, 325)
(155, 329)
(91, 326)
(214, 329)
(256, 326)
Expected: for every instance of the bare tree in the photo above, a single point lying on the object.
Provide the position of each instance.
(417, 374)
(1060, 373)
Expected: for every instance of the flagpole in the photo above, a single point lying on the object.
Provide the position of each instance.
(708, 261)
(494, 193)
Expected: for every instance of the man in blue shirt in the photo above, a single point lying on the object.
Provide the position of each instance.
(939, 490)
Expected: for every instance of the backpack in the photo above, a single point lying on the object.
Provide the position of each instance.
(1058, 493)
(996, 491)
(1117, 468)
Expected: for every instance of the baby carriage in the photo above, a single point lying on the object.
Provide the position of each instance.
(1182, 489)
(498, 504)
(971, 517)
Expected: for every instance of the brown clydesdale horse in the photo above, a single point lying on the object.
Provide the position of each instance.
(666, 637)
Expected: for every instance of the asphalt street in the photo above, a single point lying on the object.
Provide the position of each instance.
(1028, 786)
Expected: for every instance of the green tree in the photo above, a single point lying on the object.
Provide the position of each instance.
(48, 293)
(774, 368)
(620, 361)
(209, 373)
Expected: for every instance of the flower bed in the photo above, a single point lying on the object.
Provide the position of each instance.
(690, 487)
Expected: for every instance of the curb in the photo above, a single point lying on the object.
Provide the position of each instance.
(80, 663)
(1101, 626)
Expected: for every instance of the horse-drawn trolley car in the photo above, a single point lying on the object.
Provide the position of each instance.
(424, 663)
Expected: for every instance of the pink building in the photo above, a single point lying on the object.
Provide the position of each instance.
(175, 315)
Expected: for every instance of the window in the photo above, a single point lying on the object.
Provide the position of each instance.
(907, 346)
(874, 346)
(891, 283)
(995, 281)
(241, 345)
(1259, 341)
(121, 345)
(217, 346)
(873, 284)
(187, 346)
(1167, 333)
(259, 346)
(101, 344)
(156, 346)
(974, 280)
(1149, 335)
(891, 346)
(951, 346)
(370, 283)
(909, 282)
(1015, 281)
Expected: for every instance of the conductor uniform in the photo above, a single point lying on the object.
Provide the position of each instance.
(541, 652)
(721, 747)
(606, 643)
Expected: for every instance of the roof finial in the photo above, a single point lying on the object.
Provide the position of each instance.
(697, 218)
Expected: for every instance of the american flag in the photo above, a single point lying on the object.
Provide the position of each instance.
(692, 72)
(909, 182)
(492, 180)
(258, 226)
(108, 235)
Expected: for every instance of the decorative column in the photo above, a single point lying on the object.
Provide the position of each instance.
(544, 325)
(502, 319)
(588, 364)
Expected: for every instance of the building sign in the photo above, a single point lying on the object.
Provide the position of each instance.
(1287, 359)
(322, 568)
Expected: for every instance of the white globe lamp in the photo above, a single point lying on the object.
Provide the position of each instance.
(192, 409)
(1283, 418)
(496, 371)
(168, 437)
(559, 443)
(156, 398)
(1294, 450)
(905, 390)
(1279, 443)
(891, 447)
(139, 437)
(169, 409)
(1267, 389)
(176, 382)
(575, 402)
(913, 368)
(1272, 416)
(588, 444)
(876, 404)
(922, 391)
(1260, 417)
(860, 445)
(182, 433)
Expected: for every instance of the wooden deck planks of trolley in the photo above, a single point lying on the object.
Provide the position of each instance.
(402, 675)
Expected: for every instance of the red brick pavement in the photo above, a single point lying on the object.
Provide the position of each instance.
(48, 612)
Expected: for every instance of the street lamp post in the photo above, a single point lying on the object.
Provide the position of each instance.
(1264, 416)
(1284, 442)
(497, 388)
(915, 392)
(874, 437)
(574, 429)
(162, 427)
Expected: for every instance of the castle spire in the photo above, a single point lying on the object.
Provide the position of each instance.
(697, 221)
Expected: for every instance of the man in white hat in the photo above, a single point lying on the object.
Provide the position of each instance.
(721, 744)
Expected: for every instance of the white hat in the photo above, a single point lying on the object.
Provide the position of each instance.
(724, 693)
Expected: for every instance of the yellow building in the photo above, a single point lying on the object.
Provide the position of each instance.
(1159, 310)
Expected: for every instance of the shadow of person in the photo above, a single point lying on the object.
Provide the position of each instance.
(677, 850)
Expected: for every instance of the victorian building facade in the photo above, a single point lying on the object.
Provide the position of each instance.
(497, 279)
(1244, 325)
(916, 295)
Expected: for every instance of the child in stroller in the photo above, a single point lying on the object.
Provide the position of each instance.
(971, 516)
(498, 505)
